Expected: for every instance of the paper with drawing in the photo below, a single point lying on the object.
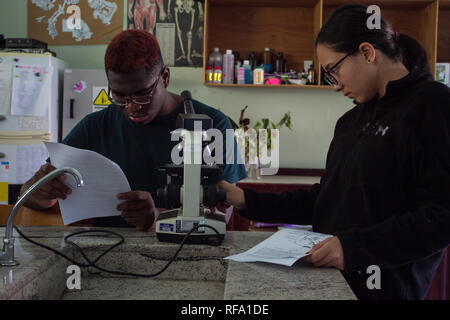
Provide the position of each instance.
(284, 247)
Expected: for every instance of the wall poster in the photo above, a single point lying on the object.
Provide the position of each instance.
(177, 24)
(69, 22)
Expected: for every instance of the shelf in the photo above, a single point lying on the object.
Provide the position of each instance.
(291, 26)
(267, 86)
(252, 25)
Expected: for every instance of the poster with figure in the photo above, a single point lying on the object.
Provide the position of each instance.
(68, 22)
(177, 24)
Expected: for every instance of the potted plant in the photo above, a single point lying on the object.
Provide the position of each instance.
(251, 160)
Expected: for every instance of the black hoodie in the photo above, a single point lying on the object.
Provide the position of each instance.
(385, 192)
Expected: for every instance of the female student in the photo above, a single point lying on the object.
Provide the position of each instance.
(385, 193)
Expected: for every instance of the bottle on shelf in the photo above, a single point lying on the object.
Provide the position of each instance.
(311, 75)
(237, 63)
(228, 67)
(240, 74)
(267, 60)
(209, 74)
(253, 60)
(218, 74)
(215, 60)
(279, 63)
(247, 72)
(258, 75)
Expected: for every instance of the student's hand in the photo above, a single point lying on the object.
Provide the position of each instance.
(328, 253)
(235, 196)
(138, 209)
(47, 195)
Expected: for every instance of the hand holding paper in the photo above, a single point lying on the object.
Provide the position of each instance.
(284, 247)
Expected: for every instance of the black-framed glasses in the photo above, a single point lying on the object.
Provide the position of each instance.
(328, 77)
(122, 101)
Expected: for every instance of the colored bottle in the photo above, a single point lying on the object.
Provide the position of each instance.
(247, 72)
(258, 75)
(228, 67)
(237, 63)
(267, 61)
(241, 75)
(218, 74)
(209, 74)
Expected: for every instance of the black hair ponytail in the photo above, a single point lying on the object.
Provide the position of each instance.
(413, 54)
(347, 28)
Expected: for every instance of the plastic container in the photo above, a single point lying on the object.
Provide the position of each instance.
(241, 75)
(247, 72)
(267, 60)
(228, 67)
(215, 58)
(209, 74)
(258, 75)
(218, 74)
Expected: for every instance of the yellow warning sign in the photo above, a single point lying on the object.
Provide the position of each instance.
(102, 99)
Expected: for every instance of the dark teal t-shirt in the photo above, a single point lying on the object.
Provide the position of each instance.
(139, 149)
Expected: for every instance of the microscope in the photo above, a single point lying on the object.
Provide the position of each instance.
(191, 187)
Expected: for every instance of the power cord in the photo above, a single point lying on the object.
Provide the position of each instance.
(93, 264)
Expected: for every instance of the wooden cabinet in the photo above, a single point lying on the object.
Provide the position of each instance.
(291, 26)
(443, 47)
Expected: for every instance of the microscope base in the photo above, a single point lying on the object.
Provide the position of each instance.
(172, 227)
(209, 239)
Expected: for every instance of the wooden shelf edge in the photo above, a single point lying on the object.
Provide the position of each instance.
(283, 86)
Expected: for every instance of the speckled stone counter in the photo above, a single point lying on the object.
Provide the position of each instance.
(199, 272)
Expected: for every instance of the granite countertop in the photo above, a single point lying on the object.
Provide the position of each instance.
(199, 272)
(303, 180)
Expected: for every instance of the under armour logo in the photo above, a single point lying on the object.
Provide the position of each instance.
(382, 130)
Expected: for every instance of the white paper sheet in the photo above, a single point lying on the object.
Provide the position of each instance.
(284, 247)
(5, 88)
(103, 180)
(30, 90)
(29, 158)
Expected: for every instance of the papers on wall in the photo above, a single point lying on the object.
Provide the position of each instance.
(165, 33)
(103, 180)
(30, 90)
(284, 247)
(5, 88)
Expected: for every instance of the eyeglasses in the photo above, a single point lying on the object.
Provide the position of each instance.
(329, 78)
(122, 101)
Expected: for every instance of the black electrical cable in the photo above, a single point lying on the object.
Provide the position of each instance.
(93, 264)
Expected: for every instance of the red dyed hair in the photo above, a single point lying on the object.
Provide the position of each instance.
(131, 50)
